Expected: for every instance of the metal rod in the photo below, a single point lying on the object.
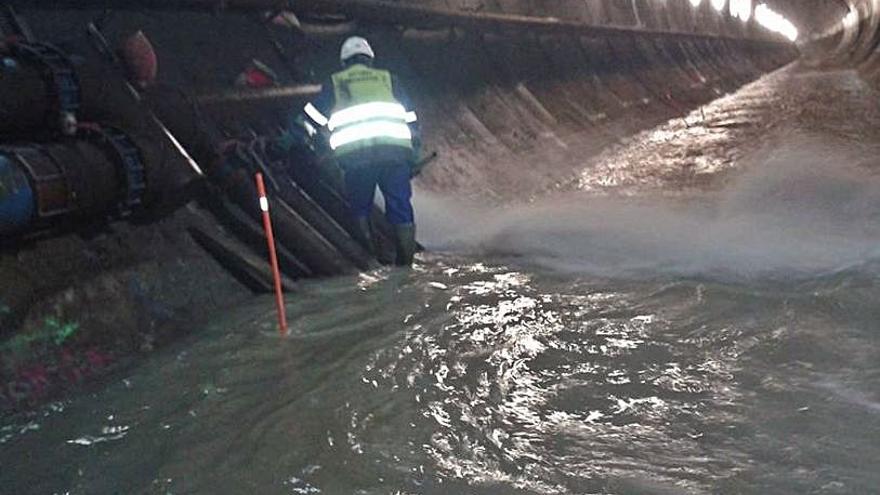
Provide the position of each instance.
(273, 257)
(298, 91)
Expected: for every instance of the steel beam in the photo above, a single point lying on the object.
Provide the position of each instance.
(251, 95)
(408, 15)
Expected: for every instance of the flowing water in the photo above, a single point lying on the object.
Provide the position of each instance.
(636, 332)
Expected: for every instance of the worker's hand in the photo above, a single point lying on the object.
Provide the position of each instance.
(420, 164)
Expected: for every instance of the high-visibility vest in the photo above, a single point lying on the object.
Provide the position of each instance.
(367, 115)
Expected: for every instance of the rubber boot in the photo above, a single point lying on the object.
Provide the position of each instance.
(365, 235)
(405, 243)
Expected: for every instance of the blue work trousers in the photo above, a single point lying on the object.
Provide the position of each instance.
(393, 180)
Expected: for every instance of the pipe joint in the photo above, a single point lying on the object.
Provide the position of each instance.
(99, 174)
(61, 81)
(129, 161)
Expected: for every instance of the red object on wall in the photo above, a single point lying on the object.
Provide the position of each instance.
(255, 78)
(140, 59)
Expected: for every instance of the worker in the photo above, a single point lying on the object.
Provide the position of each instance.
(373, 134)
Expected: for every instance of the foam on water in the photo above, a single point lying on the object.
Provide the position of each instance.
(800, 208)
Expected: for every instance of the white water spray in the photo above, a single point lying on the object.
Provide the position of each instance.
(800, 209)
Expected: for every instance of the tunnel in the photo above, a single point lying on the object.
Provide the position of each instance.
(647, 249)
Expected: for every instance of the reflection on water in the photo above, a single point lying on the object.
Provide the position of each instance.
(479, 378)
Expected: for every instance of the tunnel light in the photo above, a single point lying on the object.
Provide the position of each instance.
(851, 18)
(719, 4)
(696, 3)
(775, 22)
(741, 9)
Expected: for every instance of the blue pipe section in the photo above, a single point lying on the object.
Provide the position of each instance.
(17, 201)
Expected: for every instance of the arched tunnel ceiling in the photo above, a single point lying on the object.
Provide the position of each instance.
(811, 17)
(816, 16)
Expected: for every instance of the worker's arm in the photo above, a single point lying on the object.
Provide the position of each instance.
(318, 111)
(307, 122)
(401, 96)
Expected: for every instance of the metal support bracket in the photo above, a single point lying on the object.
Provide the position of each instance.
(128, 156)
(61, 81)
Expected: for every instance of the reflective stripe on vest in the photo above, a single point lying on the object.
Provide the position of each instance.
(374, 130)
(377, 110)
(367, 113)
(314, 114)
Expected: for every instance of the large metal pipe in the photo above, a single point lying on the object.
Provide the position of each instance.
(256, 105)
(274, 94)
(45, 86)
(45, 91)
(43, 186)
(16, 197)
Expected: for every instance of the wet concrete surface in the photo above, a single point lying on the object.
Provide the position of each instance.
(712, 144)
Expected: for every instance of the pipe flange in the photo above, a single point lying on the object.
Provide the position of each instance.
(61, 80)
(129, 159)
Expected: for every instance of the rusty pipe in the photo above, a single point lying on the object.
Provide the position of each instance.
(95, 176)
(255, 95)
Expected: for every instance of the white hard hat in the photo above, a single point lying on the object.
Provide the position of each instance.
(355, 46)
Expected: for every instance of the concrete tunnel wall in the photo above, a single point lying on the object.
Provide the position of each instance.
(518, 116)
(854, 44)
(678, 15)
(861, 44)
(510, 112)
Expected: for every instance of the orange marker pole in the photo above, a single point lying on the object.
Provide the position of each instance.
(273, 257)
